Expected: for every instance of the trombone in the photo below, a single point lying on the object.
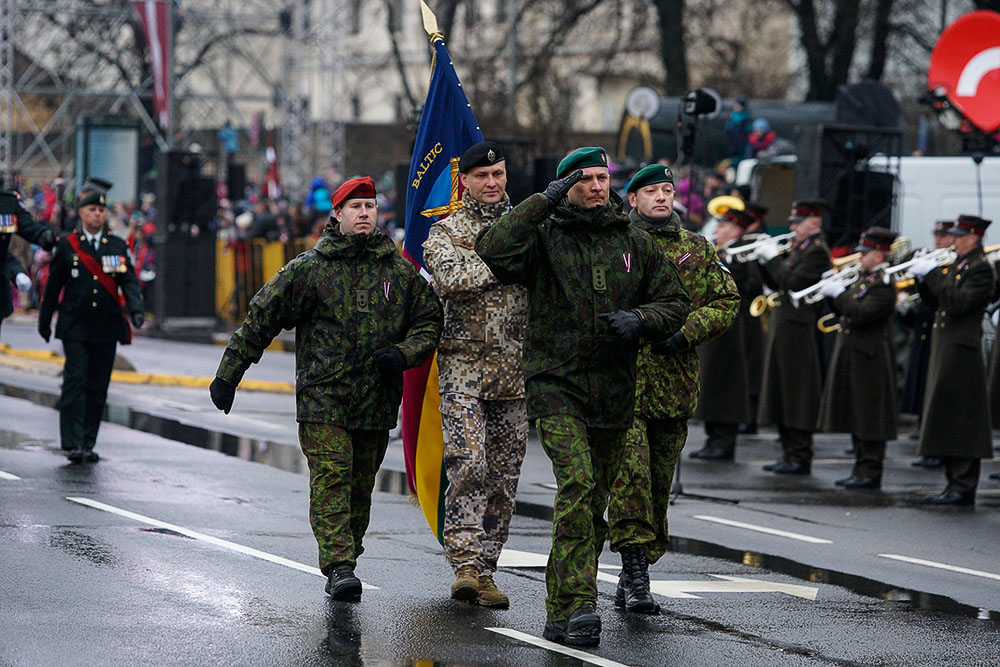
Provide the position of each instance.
(846, 276)
(748, 252)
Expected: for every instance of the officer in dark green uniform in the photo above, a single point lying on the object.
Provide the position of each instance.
(956, 412)
(100, 298)
(596, 284)
(667, 388)
(860, 392)
(362, 314)
(14, 219)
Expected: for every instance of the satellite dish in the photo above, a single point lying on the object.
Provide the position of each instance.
(642, 102)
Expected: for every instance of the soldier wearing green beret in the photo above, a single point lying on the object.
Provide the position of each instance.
(666, 387)
(596, 285)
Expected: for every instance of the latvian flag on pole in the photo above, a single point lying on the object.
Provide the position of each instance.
(447, 129)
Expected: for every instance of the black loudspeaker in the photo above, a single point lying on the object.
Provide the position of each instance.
(833, 165)
(185, 244)
(236, 180)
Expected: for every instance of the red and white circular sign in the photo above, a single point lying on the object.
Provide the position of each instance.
(965, 66)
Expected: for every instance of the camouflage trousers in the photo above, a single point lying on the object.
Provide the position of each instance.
(342, 467)
(641, 493)
(484, 444)
(585, 462)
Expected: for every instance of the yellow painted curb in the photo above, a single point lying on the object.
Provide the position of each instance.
(133, 377)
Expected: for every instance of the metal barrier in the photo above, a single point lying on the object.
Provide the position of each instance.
(243, 267)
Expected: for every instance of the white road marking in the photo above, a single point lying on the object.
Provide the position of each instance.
(225, 544)
(558, 648)
(943, 566)
(7, 475)
(515, 558)
(764, 529)
(672, 588)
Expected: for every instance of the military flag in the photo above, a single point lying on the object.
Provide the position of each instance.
(447, 128)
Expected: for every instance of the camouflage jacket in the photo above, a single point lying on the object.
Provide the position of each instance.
(577, 264)
(667, 386)
(480, 350)
(346, 298)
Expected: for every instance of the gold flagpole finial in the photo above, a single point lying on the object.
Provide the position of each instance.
(430, 23)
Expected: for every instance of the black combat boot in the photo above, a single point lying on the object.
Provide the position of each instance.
(341, 584)
(633, 583)
(583, 628)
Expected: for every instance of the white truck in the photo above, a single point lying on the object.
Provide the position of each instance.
(928, 189)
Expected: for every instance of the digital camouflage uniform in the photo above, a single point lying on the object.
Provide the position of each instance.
(481, 381)
(580, 377)
(346, 298)
(667, 391)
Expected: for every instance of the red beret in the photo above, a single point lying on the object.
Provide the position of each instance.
(360, 187)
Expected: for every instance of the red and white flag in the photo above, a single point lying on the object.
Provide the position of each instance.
(155, 17)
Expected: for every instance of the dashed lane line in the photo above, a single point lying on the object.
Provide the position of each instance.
(764, 529)
(583, 656)
(941, 566)
(8, 475)
(193, 534)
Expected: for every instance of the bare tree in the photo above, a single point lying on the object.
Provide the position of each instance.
(673, 51)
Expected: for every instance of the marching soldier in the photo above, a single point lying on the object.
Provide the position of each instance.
(920, 318)
(596, 284)
(956, 417)
(666, 388)
(14, 219)
(100, 300)
(362, 315)
(480, 378)
(726, 373)
(791, 384)
(860, 393)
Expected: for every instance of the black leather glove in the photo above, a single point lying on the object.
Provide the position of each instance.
(138, 317)
(626, 324)
(558, 188)
(390, 362)
(47, 240)
(223, 392)
(675, 343)
(44, 330)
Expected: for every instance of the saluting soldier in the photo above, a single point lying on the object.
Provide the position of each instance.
(666, 388)
(596, 284)
(480, 379)
(101, 298)
(916, 315)
(15, 219)
(726, 373)
(860, 393)
(362, 314)
(956, 417)
(791, 384)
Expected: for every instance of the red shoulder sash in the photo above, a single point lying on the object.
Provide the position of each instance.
(107, 282)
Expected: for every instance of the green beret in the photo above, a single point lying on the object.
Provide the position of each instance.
(581, 158)
(88, 197)
(654, 173)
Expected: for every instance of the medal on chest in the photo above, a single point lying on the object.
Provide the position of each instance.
(8, 223)
(113, 263)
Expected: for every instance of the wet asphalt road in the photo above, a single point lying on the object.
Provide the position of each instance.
(87, 586)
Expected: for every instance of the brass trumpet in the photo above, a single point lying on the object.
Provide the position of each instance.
(748, 252)
(901, 272)
(717, 206)
(846, 276)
